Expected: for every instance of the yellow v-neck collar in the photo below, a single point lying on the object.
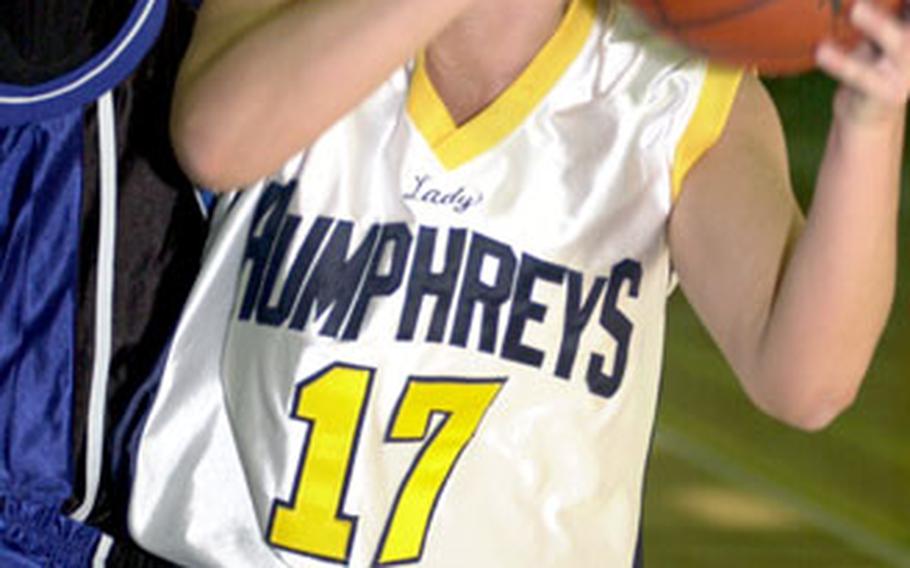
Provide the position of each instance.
(455, 145)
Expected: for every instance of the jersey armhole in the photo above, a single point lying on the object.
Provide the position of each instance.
(707, 122)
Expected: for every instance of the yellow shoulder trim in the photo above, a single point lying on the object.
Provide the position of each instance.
(707, 123)
(455, 145)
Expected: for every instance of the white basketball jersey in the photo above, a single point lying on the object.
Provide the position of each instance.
(438, 345)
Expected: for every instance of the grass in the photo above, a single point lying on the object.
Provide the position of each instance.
(840, 498)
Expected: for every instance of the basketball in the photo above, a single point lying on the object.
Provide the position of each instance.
(776, 37)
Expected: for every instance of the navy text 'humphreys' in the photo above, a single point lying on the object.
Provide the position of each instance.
(329, 281)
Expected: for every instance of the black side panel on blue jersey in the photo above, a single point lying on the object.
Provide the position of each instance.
(159, 241)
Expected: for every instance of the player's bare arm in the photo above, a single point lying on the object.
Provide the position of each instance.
(798, 307)
(262, 79)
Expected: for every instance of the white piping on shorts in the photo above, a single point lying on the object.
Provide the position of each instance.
(102, 551)
(104, 300)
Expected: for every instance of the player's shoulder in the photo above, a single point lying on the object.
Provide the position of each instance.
(752, 134)
(632, 62)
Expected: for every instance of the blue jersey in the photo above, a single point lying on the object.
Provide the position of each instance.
(99, 238)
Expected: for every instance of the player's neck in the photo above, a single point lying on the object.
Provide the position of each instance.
(480, 54)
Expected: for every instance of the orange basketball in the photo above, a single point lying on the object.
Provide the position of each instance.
(775, 36)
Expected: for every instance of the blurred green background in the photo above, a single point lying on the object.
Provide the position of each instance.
(728, 486)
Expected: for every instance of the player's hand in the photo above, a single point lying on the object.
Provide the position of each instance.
(875, 77)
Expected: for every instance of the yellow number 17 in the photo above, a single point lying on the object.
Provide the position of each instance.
(332, 402)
